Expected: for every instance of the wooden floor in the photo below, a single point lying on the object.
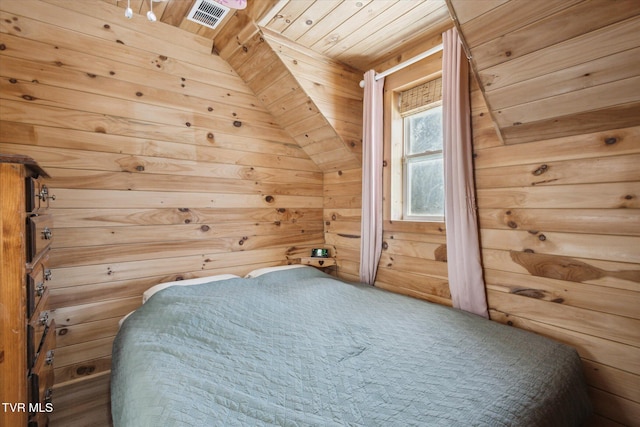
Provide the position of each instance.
(83, 403)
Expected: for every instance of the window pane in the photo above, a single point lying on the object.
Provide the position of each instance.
(426, 187)
(424, 131)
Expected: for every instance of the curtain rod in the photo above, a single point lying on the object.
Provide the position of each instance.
(406, 63)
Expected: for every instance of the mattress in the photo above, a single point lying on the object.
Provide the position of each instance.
(301, 348)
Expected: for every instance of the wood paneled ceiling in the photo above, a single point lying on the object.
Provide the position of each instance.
(569, 67)
(359, 33)
(546, 68)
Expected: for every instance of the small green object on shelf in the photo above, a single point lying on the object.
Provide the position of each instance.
(320, 253)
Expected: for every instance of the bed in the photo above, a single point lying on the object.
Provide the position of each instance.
(297, 347)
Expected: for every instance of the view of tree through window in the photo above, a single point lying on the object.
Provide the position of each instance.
(423, 165)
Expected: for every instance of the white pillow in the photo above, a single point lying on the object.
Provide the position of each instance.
(152, 290)
(261, 271)
(121, 321)
(197, 281)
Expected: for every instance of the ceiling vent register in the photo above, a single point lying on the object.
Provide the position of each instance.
(207, 13)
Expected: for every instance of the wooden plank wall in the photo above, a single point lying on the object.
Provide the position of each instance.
(316, 100)
(334, 89)
(342, 216)
(560, 239)
(558, 187)
(164, 166)
(568, 67)
(319, 103)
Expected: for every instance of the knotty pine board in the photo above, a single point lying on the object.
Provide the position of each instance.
(589, 296)
(596, 72)
(590, 221)
(609, 40)
(115, 217)
(506, 17)
(611, 274)
(577, 19)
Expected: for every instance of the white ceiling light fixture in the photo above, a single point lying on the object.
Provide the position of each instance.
(150, 15)
(128, 12)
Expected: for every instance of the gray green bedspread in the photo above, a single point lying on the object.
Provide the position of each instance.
(299, 348)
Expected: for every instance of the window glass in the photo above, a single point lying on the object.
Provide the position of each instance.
(423, 173)
(426, 187)
(424, 131)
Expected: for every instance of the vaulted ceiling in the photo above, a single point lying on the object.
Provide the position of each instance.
(359, 33)
(546, 68)
(314, 53)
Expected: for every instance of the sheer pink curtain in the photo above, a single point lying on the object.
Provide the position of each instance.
(463, 246)
(371, 229)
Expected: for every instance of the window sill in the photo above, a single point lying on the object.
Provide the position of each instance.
(437, 220)
(404, 226)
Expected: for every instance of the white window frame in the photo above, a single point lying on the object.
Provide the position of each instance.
(411, 158)
(393, 171)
